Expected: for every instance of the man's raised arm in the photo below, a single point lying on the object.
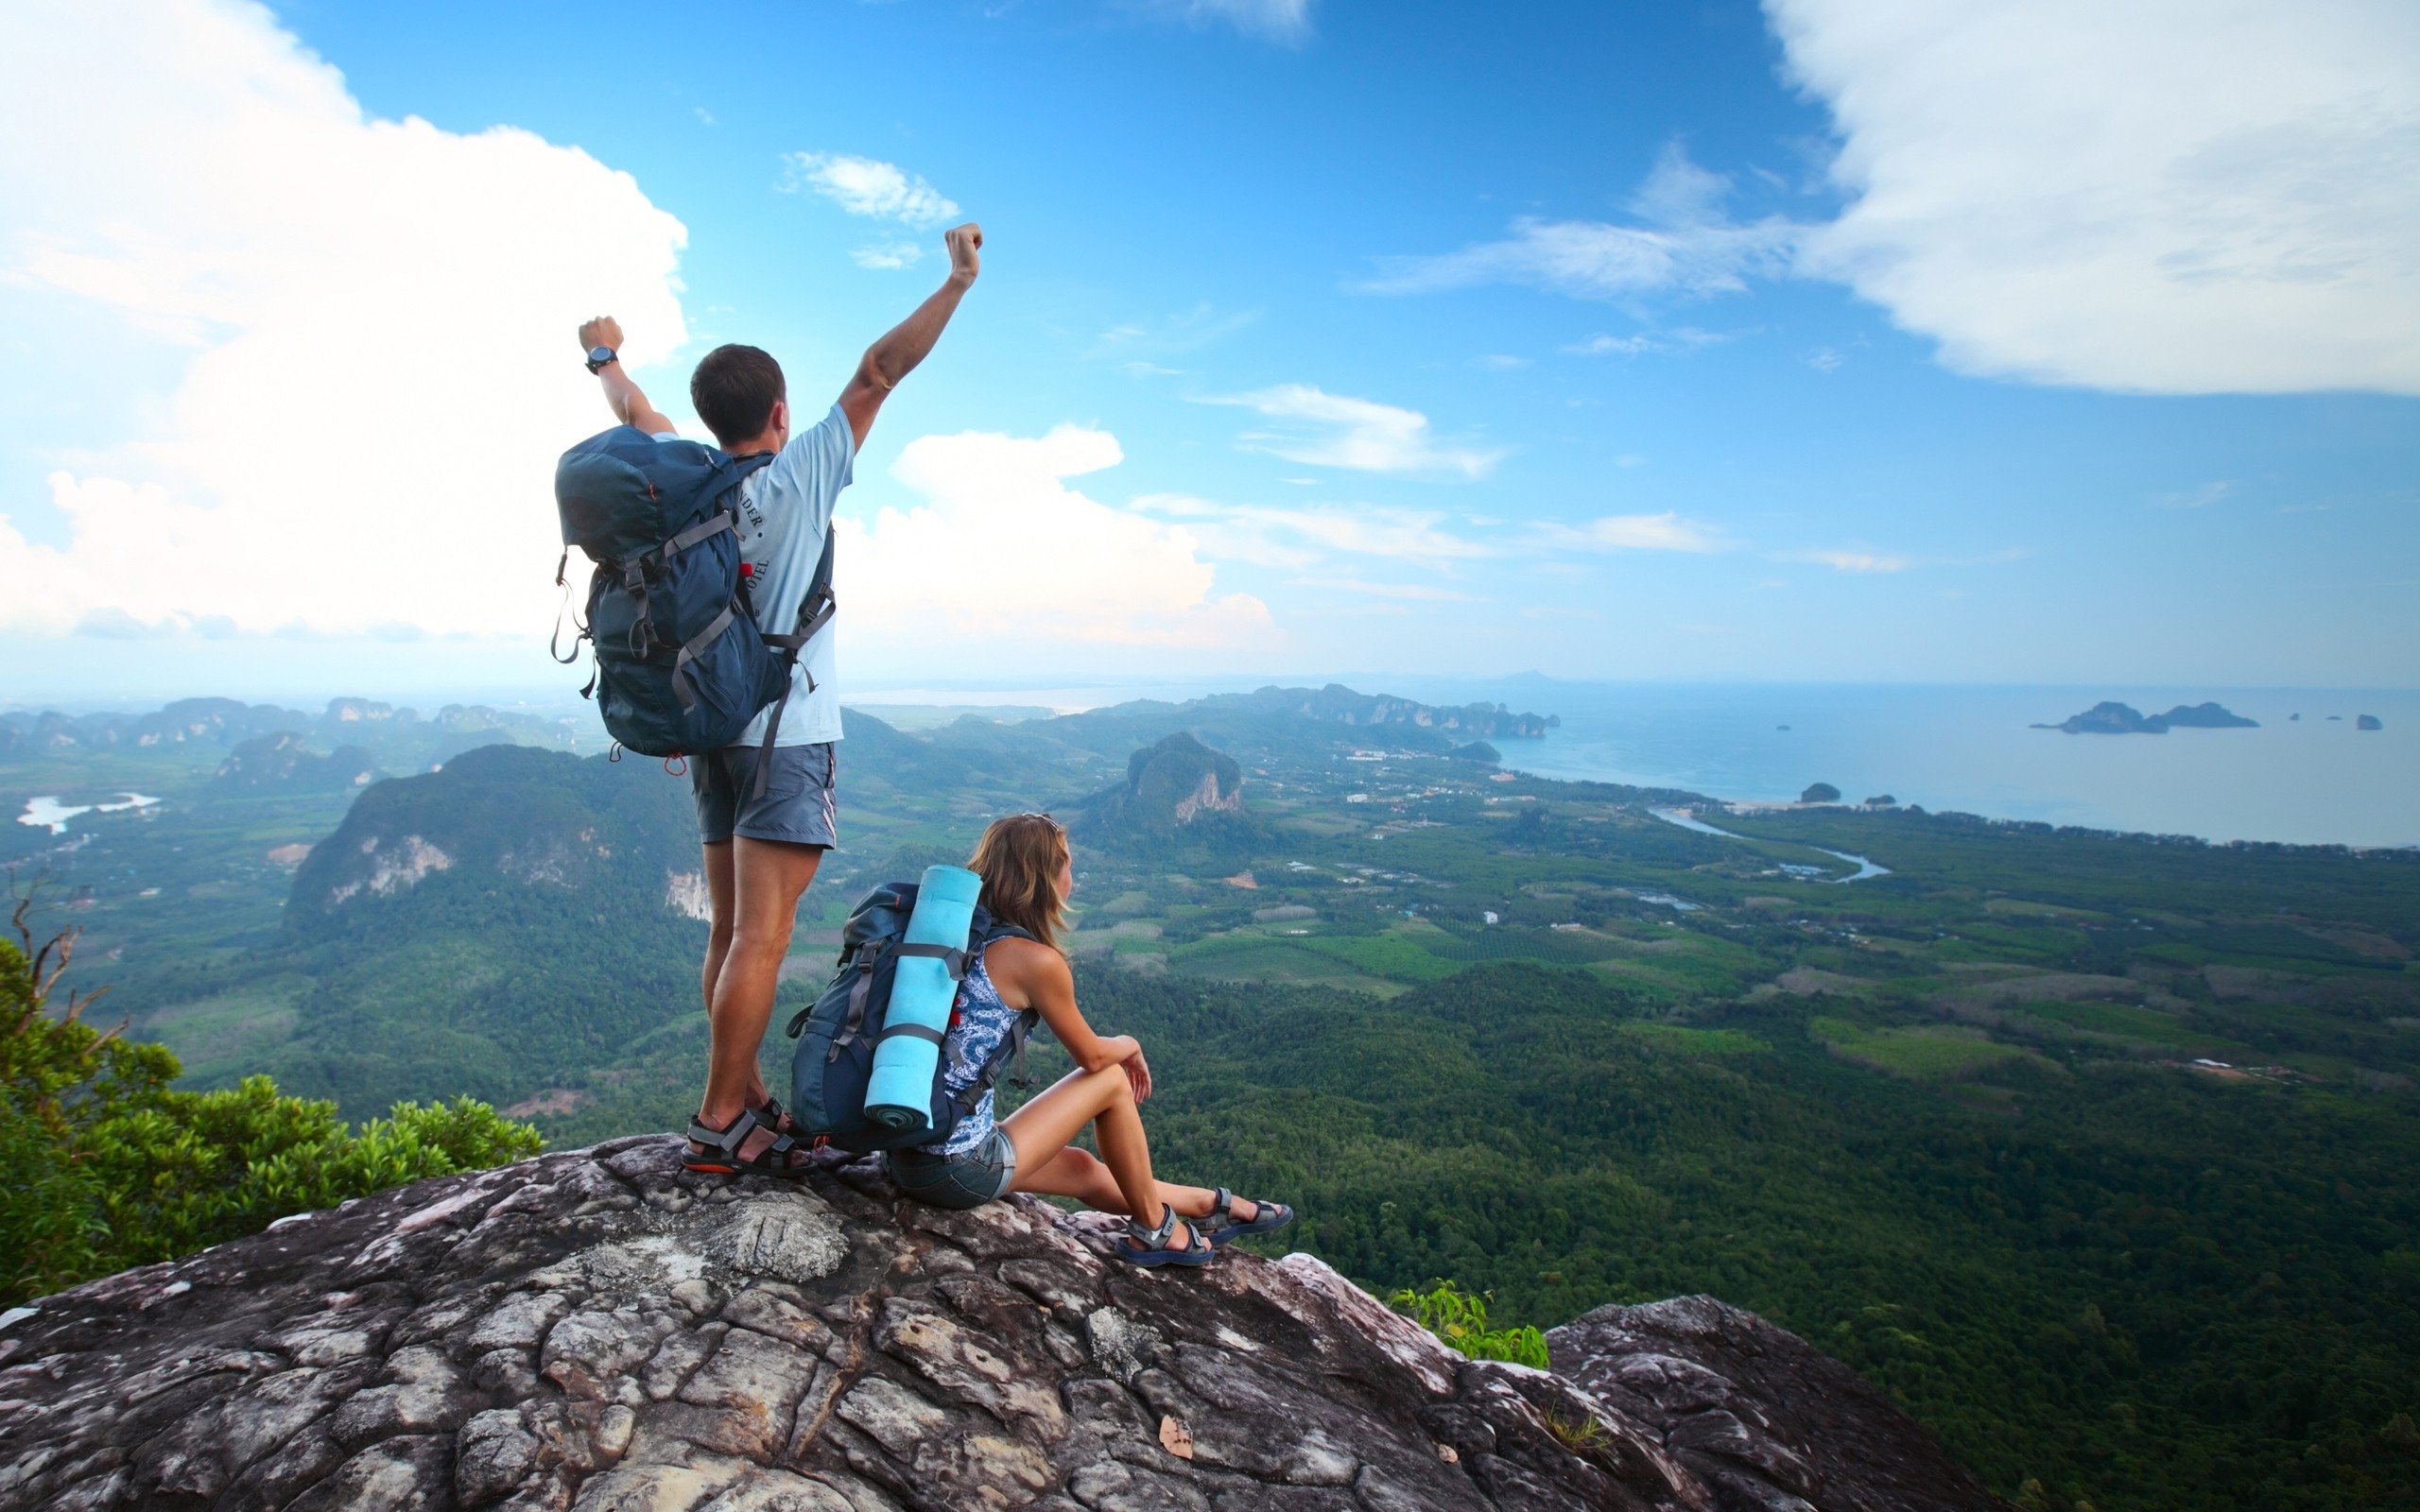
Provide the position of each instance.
(622, 396)
(906, 344)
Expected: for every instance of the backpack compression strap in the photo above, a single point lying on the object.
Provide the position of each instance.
(814, 612)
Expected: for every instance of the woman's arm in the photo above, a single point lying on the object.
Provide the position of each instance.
(1040, 976)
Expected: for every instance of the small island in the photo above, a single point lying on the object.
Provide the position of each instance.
(1820, 793)
(2368, 722)
(2110, 717)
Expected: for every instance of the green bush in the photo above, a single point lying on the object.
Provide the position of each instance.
(1459, 1319)
(111, 1166)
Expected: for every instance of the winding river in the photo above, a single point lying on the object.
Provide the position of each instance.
(1687, 821)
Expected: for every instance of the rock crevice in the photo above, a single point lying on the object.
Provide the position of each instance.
(598, 1331)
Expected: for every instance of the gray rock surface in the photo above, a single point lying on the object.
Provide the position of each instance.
(598, 1331)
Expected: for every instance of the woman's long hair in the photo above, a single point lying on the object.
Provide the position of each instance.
(1019, 859)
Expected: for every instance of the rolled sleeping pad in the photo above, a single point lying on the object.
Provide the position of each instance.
(899, 1094)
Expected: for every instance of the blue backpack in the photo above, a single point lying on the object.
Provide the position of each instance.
(682, 664)
(837, 1034)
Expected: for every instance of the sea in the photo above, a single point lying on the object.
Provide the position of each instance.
(2316, 779)
(2312, 780)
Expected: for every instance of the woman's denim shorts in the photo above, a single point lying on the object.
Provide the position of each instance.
(965, 1180)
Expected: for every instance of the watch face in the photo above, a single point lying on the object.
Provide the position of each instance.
(600, 355)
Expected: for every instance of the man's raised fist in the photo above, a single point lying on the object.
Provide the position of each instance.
(604, 331)
(965, 245)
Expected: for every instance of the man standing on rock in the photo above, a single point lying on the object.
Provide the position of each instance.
(764, 843)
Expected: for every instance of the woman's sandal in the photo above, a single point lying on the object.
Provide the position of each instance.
(1156, 1247)
(1267, 1217)
(719, 1155)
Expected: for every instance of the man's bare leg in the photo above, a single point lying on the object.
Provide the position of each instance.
(718, 895)
(767, 878)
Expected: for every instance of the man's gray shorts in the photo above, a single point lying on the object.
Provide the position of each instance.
(796, 806)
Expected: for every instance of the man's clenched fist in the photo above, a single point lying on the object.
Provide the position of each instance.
(604, 331)
(965, 245)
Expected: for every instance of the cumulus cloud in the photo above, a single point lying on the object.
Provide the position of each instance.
(1683, 241)
(186, 168)
(868, 187)
(1335, 430)
(1001, 547)
(2164, 197)
(1667, 531)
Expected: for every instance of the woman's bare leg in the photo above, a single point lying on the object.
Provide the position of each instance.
(1075, 1173)
(1043, 1128)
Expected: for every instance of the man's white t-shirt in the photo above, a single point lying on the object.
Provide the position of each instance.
(785, 509)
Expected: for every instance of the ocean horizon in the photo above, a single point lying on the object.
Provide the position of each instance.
(2314, 781)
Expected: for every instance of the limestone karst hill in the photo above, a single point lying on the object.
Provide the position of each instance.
(597, 1331)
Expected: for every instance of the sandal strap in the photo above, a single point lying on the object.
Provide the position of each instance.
(1222, 1203)
(1155, 1238)
(730, 1137)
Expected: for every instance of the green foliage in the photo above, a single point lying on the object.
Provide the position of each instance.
(1459, 1319)
(112, 1166)
(2148, 1290)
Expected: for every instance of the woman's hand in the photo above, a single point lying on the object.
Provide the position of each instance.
(1138, 1075)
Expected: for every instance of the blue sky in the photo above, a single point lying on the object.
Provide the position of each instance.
(1817, 342)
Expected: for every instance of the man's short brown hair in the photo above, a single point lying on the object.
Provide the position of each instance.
(735, 390)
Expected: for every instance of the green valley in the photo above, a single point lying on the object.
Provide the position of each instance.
(2095, 1150)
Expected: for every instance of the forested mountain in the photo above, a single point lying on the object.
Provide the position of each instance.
(2093, 1150)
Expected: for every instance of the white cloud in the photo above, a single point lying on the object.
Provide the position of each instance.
(1667, 531)
(1685, 241)
(1288, 21)
(186, 168)
(1417, 593)
(1002, 548)
(2200, 498)
(1852, 561)
(1683, 339)
(885, 254)
(1295, 539)
(1334, 430)
(868, 187)
(1188, 331)
(2167, 196)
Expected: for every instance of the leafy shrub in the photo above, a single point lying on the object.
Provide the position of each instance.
(111, 1166)
(1459, 1319)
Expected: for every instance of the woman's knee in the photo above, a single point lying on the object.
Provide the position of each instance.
(1111, 1086)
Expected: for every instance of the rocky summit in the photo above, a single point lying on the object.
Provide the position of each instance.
(598, 1330)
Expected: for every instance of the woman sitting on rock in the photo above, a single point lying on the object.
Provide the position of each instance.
(1027, 873)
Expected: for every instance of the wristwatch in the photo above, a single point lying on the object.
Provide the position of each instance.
(599, 358)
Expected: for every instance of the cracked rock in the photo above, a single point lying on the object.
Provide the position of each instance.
(600, 1331)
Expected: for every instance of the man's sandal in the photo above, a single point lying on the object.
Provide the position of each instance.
(719, 1155)
(1267, 1218)
(1157, 1246)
